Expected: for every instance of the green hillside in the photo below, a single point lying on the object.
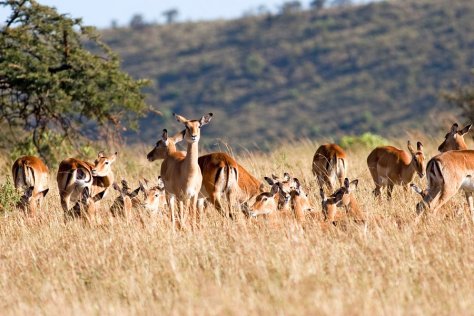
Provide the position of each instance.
(379, 67)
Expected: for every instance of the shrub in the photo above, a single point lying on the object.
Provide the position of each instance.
(9, 197)
(368, 140)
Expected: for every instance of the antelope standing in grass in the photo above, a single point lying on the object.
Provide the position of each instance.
(218, 172)
(330, 166)
(30, 177)
(74, 176)
(341, 198)
(391, 166)
(446, 174)
(454, 140)
(180, 171)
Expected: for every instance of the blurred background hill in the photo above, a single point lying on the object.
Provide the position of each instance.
(378, 67)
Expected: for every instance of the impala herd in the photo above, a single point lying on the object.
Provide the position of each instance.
(190, 181)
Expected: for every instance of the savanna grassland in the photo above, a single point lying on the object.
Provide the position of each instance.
(397, 266)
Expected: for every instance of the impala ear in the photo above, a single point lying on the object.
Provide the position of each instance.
(44, 192)
(113, 157)
(161, 184)
(275, 189)
(297, 183)
(180, 118)
(454, 128)
(346, 183)
(100, 154)
(274, 177)
(205, 119)
(116, 186)
(269, 181)
(465, 130)
(179, 136)
(143, 187)
(164, 135)
(419, 146)
(353, 185)
(286, 176)
(410, 148)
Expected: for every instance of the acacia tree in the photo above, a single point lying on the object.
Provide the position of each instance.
(57, 75)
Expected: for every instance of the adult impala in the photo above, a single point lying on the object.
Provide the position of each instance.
(221, 174)
(75, 175)
(329, 166)
(180, 171)
(391, 166)
(30, 176)
(446, 174)
(454, 140)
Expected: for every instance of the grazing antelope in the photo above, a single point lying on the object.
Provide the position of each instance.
(454, 140)
(75, 175)
(389, 166)
(180, 171)
(329, 165)
(218, 172)
(30, 176)
(446, 174)
(341, 198)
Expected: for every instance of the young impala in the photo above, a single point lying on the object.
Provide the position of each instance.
(30, 177)
(180, 171)
(329, 166)
(341, 198)
(391, 166)
(75, 175)
(446, 174)
(454, 140)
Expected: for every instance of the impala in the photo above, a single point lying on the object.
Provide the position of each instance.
(389, 166)
(446, 174)
(329, 165)
(180, 171)
(341, 198)
(218, 172)
(286, 185)
(300, 202)
(127, 199)
(30, 176)
(266, 203)
(454, 140)
(75, 175)
(154, 197)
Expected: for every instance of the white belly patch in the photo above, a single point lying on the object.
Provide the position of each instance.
(467, 184)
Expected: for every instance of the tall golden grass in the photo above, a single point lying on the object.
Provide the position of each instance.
(115, 266)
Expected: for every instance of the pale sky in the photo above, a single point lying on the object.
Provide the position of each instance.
(100, 13)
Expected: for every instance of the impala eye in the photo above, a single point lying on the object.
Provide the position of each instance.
(106, 162)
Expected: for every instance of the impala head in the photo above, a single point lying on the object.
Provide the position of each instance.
(285, 185)
(154, 196)
(454, 139)
(299, 197)
(164, 145)
(420, 206)
(266, 202)
(193, 127)
(341, 197)
(418, 158)
(103, 164)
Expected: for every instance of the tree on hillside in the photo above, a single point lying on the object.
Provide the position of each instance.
(317, 4)
(291, 7)
(57, 75)
(170, 15)
(341, 3)
(137, 22)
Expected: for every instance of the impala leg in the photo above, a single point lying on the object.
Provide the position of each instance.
(172, 205)
(470, 203)
(389, 190)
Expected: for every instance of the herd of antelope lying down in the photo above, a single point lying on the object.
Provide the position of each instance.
(191, 181)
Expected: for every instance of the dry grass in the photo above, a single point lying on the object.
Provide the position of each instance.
(115, 267)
